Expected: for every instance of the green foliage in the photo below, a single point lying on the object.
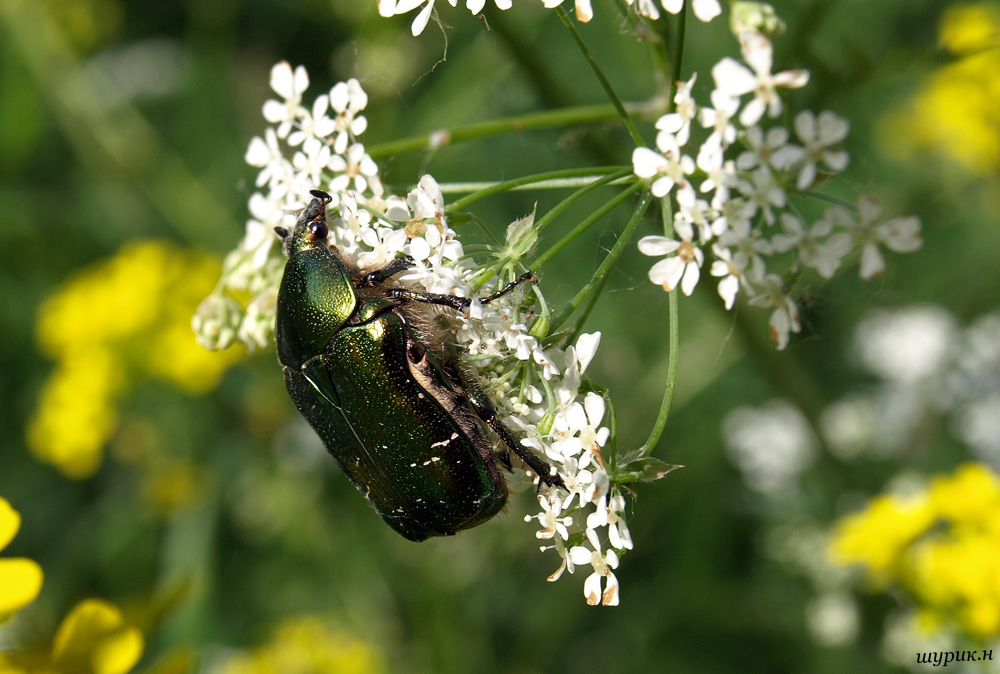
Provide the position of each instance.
(124, 120)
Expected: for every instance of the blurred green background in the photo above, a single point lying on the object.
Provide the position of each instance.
(215, 516)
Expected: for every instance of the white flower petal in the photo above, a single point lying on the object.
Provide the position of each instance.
(657, 245)
(586, 347)
(872, 262)
(667, 273)
(646, 163)
(420, 22)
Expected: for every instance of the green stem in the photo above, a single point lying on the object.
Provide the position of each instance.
(540, 261)
(678, 56)
(591, 303)
(823, 196)
(673, 340)
(583, 114)
(496, 188)
(612, 96)
(606, 265)
(554, 184)
(558, 209)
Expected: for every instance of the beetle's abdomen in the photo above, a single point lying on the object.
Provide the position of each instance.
(407, 442)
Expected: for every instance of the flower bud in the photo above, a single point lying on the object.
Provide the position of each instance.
(755, 16)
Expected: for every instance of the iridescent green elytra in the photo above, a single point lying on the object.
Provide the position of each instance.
(375, 377)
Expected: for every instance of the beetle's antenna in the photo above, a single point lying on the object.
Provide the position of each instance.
(282, 232)
(322, 196)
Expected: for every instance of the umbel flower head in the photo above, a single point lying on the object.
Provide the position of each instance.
(740, 218)
(705, 10)
(538, 385)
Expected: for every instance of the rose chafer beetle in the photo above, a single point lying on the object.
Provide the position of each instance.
(372, 370)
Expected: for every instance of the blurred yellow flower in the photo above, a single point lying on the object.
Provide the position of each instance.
(76, 414)
(955, 112)
(122, 319)
(942, 546)
(95, 639)
(305, 645)
(878, 535)
(20, 579)
(92, 639)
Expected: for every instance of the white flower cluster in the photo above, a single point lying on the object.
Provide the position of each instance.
(770, 445)
(739, 213)
(539, 390)
(928, 366)
(706, 10)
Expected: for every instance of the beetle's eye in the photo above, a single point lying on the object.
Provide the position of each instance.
(318, 229)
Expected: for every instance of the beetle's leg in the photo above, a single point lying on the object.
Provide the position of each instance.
(484, 409)
(400, 264)
(525, 277)
(541, 467)
(454, 301)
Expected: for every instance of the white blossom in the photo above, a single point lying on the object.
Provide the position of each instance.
(705, 10)
(347, 99)
(602, 565)
(685, 110)
(684, 268)
(731, 272)
(290, 85)
(817, 136)
(815, 246)
(719, 118)
(785, 317)
(736, 79)
(770, 149)
(763, 193)
(313, 124)
(669, 167)
(900, 234)
(584, 11)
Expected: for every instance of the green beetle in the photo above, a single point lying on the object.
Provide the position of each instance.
(369, 366)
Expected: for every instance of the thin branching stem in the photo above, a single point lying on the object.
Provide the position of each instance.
(606, 265)
(540, 261)
(605, 83)
(572, 116)
(496, 188)
(673, 340)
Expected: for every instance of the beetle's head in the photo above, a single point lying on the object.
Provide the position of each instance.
(310, 229)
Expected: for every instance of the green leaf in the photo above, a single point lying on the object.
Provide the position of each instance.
(645, 469)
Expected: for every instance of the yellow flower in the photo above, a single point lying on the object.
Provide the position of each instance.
(92, 639)
(121, 320)
(95, 639)
(878, 535)
(941, 546)
(971, 495)
(76, 413)
(970, 28)
(20, 579)
(955, 111)
(305, 645)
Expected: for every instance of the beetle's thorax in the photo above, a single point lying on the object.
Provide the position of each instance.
(317, 295)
